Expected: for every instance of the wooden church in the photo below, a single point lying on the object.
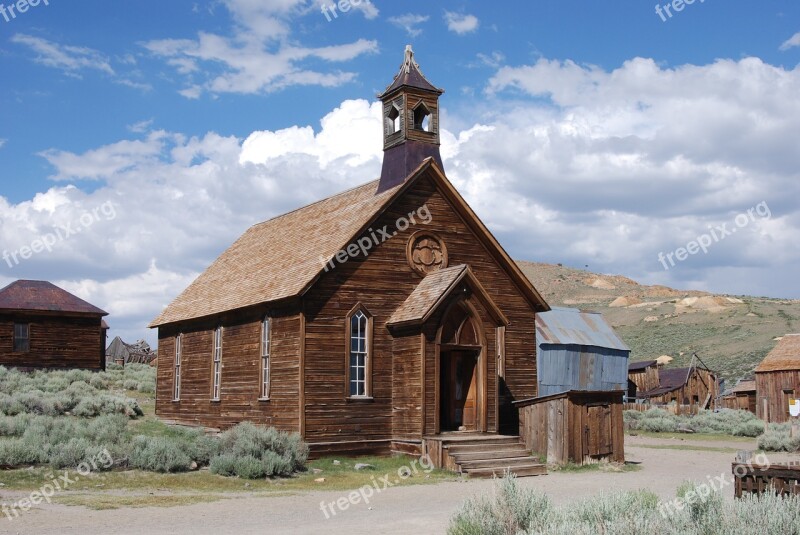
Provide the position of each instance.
(384, 318)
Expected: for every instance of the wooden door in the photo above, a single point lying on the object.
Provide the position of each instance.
(599, 430)
(459, 391)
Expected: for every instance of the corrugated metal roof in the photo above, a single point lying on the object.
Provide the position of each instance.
(571, 326)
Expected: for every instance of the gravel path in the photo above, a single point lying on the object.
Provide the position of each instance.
(417, 509)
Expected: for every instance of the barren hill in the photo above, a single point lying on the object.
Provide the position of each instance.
(730, 333)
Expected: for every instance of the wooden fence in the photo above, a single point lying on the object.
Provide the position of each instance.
(672, 408)
(757, 479)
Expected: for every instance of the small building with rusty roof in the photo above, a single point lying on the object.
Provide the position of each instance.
(44, 326)
(778, 380)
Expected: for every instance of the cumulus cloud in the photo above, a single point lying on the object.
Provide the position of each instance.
(792, 42)
(461, 23)
(572, 164)
(410, 23)
(257, 56)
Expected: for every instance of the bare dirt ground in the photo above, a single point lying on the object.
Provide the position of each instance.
(415, 509)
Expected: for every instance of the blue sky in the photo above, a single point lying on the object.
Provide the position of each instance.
(589, 133)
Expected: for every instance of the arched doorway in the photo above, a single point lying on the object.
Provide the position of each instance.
(461, 370)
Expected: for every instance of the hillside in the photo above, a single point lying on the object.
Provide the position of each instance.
(730, 333)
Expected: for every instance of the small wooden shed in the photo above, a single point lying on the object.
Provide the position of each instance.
(576, 426)
(778, 380)
(741, 397)
(644, 374)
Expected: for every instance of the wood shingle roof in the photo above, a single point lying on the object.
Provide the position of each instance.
(784, 357)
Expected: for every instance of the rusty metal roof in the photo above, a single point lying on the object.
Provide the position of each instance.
(43, 296)
(571, 326)
(784, 357)
(641, 365)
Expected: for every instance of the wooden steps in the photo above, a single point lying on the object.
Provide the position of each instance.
(490, 455)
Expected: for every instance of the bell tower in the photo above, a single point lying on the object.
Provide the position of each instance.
(410, 123)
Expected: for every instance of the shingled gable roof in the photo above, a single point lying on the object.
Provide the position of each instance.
(282, 258)
(434, 290)
(784, 357)
(43, 296)
(410, 75)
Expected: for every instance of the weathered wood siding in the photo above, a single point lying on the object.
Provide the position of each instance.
(702, 385)
(240, 380)
(773, 390)
(55, 342)
(381, 282)
(574, 427)
(646, 379)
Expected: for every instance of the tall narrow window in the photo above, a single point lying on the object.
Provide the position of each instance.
(265, 340)
(359, 365)
(217, 371)
(22, 338)
(176, 395)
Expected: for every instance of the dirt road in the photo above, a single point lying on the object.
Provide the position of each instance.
(402, 510)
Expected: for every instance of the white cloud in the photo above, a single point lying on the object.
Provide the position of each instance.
(68, 59)
(608, 170)
(141, 126)
(258, 57)
(461, 23)
(2, 142)
(792, 42)
(409, 22)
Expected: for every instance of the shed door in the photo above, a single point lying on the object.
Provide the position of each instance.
(599, 430)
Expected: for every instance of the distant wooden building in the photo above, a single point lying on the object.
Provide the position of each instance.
(689, 389)
(120, 352)
(643, 375)
(376, 320)
(778, 380)
(43, 326)
(578, 350)
(741, 397)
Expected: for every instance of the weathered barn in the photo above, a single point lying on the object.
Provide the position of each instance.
(644, 375)
(43, 326)
(579, 427)
(688, 389)
(376, 320)
(778, 380)
(578, 350)
(740, 397)
(120, 352)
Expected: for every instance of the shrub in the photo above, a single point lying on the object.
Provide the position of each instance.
(18, 452)
(724, 422)
(130, 384)
(777, 437)
(158, 454)
(276, 452)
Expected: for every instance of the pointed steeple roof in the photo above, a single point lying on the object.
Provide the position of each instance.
(410, 75)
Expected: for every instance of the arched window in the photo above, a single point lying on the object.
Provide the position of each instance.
(359, 357)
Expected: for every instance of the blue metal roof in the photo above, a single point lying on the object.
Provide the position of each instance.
(571, 326)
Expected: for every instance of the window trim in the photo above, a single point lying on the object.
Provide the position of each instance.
(216, 365)
(176, 368)
(27, 338)
(359, 308)
(265, 385)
